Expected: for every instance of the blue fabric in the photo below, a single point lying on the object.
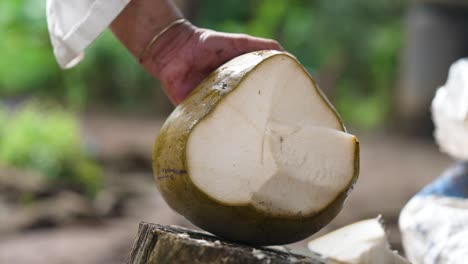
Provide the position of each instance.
(452, 183)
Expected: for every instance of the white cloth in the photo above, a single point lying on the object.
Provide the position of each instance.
(75, 24)
(435, 230)
(450, 112)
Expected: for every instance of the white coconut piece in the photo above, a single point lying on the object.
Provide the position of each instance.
(363, 242)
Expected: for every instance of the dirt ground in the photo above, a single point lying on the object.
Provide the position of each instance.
(393, 168)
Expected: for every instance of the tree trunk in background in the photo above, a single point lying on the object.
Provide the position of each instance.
(169, 244)
(436, 36)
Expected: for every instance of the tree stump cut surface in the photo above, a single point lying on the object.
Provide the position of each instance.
(157, 244)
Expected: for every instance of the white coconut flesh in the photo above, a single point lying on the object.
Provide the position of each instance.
(364, 242)
(274, 142)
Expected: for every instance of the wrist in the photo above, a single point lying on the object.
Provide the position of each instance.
(141, 20)
(165, 49)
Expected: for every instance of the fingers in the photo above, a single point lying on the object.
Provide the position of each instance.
(246, 43)
(240, 43)
(263, 43)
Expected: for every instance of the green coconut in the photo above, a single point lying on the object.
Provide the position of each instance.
(256, 154)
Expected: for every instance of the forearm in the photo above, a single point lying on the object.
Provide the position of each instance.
(141, 20)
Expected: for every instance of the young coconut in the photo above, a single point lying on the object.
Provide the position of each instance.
(256, 153)
(364, 242)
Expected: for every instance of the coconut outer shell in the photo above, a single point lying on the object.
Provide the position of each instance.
(242, 223)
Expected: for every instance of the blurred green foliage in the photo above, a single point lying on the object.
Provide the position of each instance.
(351, 46)
(108, 75)
(47, 140)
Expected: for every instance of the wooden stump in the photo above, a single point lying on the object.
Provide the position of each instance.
(171, 244)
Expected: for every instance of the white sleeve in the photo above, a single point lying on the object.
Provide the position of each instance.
(75, 24)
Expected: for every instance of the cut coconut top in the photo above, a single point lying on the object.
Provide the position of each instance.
(363, 242)
(274, 142)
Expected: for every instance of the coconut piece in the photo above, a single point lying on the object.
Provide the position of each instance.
(256, 153)
(362, 242)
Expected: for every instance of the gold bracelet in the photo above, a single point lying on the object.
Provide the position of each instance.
(155, 38)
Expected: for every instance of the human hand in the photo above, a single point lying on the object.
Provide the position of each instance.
(184, 55)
